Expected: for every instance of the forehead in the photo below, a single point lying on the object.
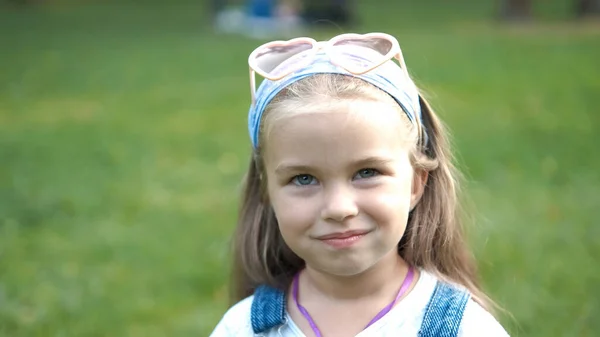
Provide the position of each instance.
(344, 132)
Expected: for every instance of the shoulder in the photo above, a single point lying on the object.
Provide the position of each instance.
(477, 321)
(236, 321)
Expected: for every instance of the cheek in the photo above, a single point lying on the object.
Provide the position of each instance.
(294, 214)
(390, 205)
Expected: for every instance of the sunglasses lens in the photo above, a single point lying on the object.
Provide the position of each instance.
(382, 46)
(360, 54)
(270, 58)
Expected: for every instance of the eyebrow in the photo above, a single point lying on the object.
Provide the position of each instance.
(284, 168)
(373, 161)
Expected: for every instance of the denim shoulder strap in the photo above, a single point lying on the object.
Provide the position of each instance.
(268, 309)
(444, 311)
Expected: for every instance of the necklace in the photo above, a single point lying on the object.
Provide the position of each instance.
(403, 288)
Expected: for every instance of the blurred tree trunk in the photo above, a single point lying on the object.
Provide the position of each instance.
(587, 7)
(516, 9)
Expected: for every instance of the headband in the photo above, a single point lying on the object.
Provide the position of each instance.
(388, 77)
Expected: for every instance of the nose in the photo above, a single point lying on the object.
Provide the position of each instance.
(339, 205)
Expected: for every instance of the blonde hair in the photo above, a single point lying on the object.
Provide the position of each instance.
(433, 239)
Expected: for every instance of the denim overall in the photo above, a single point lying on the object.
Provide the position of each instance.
(442, 317)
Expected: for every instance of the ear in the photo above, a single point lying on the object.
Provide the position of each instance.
(418, 186)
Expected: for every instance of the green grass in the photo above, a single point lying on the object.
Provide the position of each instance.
(123, 141)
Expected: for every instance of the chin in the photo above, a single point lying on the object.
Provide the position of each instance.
(346, 268)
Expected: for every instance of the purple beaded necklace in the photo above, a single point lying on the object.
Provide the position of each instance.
(403, 288)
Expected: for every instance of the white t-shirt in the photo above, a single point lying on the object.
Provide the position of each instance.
(403, 320)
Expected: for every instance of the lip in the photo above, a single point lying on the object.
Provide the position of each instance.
(343, 239)
(342, 235)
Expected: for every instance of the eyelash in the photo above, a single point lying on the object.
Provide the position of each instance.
(375, 173)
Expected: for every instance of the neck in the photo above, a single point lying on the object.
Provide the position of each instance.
(372, 282)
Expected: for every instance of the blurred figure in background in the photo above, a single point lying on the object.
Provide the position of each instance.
(260, 18)
(280, 18)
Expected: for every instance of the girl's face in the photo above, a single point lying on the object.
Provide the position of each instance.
(341, 184)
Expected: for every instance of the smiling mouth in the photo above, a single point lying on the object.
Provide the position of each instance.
(343, 240)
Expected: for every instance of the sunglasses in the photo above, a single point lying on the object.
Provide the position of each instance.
(355, 53)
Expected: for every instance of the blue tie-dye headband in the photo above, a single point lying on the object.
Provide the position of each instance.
(388, 77)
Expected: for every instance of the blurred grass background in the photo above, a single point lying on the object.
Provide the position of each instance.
(123, 141)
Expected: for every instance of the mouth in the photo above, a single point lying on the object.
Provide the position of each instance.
(343, 239)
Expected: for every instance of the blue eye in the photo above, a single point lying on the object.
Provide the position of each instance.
(304, 180)
(366, 173)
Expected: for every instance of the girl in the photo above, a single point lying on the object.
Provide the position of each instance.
(349, 223)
